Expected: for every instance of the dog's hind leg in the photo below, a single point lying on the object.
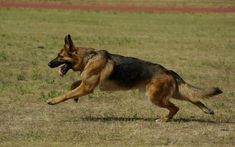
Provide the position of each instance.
(159, 91)
(168, 105)
(75, 85)
(203, 107)
(198, 103)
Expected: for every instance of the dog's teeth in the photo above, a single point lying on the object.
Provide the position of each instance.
(60, 73)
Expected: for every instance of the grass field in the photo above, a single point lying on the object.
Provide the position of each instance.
(198, 46)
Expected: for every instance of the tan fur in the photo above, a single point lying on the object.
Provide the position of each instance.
(195, 94)
(160, 89)
(106, 71)
(184, 90)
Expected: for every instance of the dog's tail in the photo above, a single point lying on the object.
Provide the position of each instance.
(193, 93)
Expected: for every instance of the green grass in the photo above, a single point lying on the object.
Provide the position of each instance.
(198, 46)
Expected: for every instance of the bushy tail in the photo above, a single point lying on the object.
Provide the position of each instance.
(195, 93)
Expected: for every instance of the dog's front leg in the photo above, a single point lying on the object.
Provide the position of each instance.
(75, 85)
(84, 88)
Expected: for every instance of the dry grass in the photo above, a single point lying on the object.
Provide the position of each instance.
(200, 47)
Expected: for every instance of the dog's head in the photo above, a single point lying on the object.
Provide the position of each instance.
(67, 57)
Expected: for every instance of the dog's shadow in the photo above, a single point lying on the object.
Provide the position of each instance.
(148, 119)
(114, 118)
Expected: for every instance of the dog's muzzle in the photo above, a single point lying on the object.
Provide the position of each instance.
(55, 63)
(66, 66)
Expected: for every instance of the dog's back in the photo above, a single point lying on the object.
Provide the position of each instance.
(129, 71)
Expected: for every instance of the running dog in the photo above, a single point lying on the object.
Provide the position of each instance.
(111, 72)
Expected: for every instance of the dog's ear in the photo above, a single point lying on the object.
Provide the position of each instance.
(68, 43)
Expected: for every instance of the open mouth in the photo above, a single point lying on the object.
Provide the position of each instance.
(64, 69)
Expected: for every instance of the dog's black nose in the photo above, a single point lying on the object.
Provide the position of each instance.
(49, 64)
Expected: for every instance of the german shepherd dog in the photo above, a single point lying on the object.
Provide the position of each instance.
(111, 72)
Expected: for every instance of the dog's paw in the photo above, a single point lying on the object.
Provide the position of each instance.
(51, 101)
(209, 111)
(163, 120)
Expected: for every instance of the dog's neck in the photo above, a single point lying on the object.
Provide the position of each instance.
(85, 54)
